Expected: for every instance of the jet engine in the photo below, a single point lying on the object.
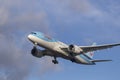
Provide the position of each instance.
(37, 52)
(75, 49)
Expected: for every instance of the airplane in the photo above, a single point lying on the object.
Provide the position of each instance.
(58, 49)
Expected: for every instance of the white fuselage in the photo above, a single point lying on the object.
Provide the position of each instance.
(55, 49)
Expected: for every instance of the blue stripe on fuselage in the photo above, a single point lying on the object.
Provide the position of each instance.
(43, 37)
(86, 59)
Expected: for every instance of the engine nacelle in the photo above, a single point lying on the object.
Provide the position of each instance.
(37, 53)
(75, 49)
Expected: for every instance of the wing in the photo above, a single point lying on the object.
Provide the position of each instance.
(97, 47)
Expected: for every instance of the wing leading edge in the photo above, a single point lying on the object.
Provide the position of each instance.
(97, 47)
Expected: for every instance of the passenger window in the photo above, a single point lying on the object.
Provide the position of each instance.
(33, 33)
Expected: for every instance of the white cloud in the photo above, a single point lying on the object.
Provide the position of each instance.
(85, 7)
(19, 17)
(3, 16)
(16, 20)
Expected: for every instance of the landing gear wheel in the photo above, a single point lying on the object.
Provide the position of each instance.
(55, 61)
(73, 60)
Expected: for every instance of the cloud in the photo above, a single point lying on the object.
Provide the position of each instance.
(19, 17)
(4, 16)
(17, 20)
(79, 7)
(85, 7)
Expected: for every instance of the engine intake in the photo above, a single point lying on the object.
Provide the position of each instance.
(37, 53)
(75, 49)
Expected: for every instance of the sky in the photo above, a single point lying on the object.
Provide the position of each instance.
(79, 22)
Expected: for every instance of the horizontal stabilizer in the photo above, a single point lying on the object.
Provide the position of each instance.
(100, 60)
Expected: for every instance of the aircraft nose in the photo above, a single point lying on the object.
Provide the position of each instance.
(29, 37)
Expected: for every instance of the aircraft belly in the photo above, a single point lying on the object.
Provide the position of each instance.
(80, 60)
(58, 50)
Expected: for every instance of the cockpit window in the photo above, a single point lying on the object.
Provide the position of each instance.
(33, 33)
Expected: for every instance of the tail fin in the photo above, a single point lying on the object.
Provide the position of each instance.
(91, 54)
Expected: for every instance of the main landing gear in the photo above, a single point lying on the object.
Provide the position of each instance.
(55, 61)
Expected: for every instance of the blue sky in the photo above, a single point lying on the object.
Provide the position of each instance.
(81, 22)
